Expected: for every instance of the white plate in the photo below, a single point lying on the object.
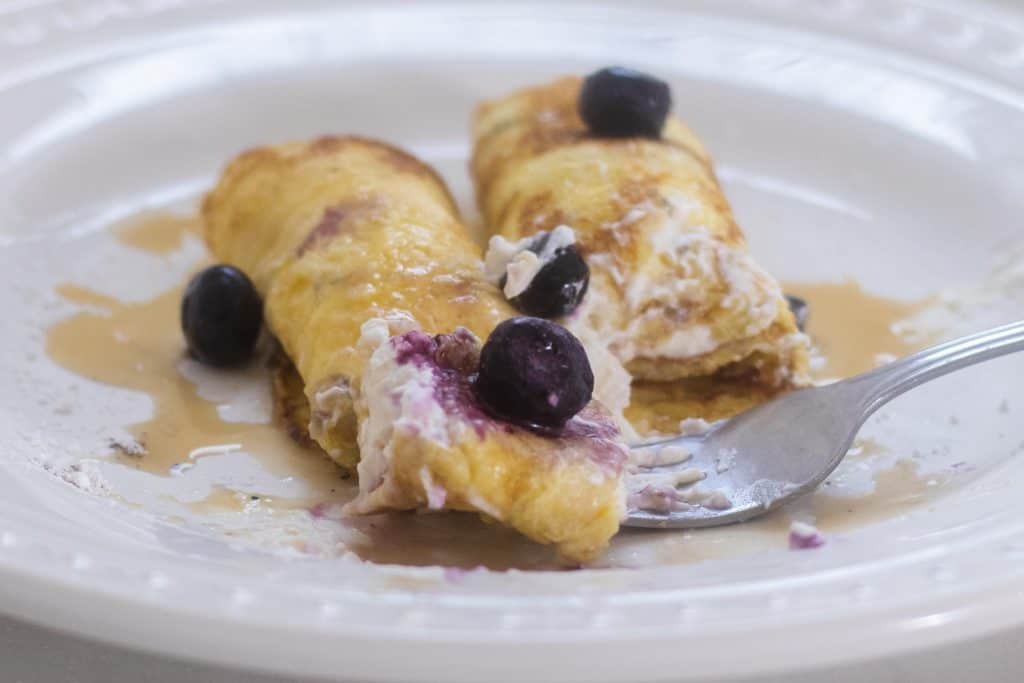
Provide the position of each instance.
(880, 140)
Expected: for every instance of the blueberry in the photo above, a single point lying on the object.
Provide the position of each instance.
(533, 372)
(619, 103)
(558, 287)
(221, 315)
(801, 310)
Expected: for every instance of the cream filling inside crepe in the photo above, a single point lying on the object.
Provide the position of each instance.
(696, 261)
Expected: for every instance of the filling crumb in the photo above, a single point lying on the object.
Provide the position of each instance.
(803, 536)
(663, 497)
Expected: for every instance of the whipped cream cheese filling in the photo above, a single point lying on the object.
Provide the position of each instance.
(436, 494)
(393, 396)
(683, 264)
(328, 407)
(329, 403)
(788, 344)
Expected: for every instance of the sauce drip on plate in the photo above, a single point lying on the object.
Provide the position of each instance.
(852, 329)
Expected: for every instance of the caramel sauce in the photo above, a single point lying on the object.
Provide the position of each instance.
(852, 328)
(158, 233)
(221, 499)
(898, 490)
(138, 346)
(449, 539)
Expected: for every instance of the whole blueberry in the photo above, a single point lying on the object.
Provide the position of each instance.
(801, 310)
(618, 103)
(533, 372)
(558, 287)
(221, 315)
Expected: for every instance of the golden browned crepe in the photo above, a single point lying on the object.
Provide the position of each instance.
(674, 293)
(358, 252)
(333, 233)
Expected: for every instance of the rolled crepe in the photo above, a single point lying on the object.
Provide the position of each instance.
(673, 292)
(376, 294)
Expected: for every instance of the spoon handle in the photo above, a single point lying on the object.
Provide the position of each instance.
(883, 384)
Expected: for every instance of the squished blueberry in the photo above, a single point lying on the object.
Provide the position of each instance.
(533, 372)
(221, 315)
(619, 103)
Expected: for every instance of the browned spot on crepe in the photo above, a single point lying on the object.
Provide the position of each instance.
(326, 144)
(336, 220)
(637, 190)
(537, 214)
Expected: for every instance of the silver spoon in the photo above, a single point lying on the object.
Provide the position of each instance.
(780, 450)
